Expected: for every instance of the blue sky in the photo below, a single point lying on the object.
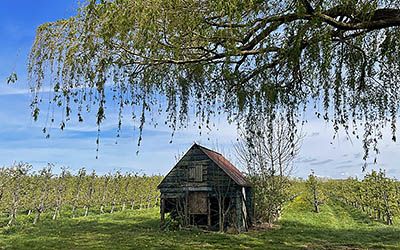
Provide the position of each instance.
(21, 139)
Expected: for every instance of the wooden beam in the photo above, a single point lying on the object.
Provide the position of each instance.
(238, 207)
(186, 208)
(209, 213)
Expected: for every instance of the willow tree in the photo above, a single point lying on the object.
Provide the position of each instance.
(202, 58)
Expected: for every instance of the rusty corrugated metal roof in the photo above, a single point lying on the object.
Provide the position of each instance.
(226, 166)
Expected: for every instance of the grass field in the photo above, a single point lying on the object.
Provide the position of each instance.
(336, 227)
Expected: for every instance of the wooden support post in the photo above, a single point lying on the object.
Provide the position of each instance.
(162, 212)
(244, 209)
(187, 216)
(238, 208)
(209, 213)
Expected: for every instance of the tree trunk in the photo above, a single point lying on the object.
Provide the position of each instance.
(86, 211)
(13, 211)
(141, 203)
(132, 205)
(148, 202)
(37, 217)
(156, 201)
(389, 219)
(316, 202)
(73, 211)
(12, 219)
(55, 213)
(112, 207)
(316, 207)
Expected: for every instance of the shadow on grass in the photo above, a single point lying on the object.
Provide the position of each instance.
(118, 232)
(356, 214)
(140, 230)
(300, 235)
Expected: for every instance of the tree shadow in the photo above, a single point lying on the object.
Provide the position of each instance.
(356, 214)
(301, 235)
(141, 231)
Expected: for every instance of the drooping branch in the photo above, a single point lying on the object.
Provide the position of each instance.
(209, 57)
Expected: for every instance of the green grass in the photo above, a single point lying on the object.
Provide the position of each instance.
(336, 227)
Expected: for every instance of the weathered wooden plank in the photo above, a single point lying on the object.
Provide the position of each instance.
(198, 202)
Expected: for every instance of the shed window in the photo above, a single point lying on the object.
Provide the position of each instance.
(196, 173)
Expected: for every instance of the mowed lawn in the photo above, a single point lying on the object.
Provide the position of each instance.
(336, 227)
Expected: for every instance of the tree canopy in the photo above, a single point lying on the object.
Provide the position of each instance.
(241, 58)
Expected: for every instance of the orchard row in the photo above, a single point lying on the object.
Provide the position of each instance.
(24, 192)
(376, 194)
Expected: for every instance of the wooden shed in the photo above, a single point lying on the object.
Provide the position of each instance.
(204, 189)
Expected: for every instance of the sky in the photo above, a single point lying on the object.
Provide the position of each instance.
(22, 140)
